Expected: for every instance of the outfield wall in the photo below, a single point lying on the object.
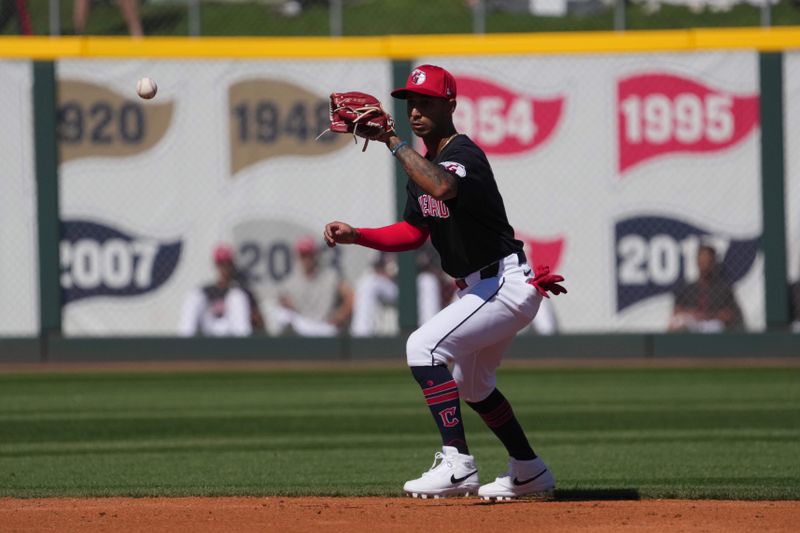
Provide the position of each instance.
(618, 154)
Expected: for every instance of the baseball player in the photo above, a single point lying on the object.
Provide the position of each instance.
(453, 199)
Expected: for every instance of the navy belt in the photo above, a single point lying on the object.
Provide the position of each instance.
(491, 270)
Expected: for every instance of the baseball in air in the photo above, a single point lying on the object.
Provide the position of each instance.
(146, 88)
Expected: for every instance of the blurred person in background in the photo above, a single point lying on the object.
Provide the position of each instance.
(375, 293)
(315, 301)
(223, 307)
(129, 9)
(708, 305)
(794, 306)
(377, 290)
(18, 9)
(545, 321)
(433, 285)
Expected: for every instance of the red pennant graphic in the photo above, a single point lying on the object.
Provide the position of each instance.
(501, 121)
(543, 251)
(659, 114)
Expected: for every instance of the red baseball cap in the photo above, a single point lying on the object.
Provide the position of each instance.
(428, 80)
(223, 253)
(305, 245)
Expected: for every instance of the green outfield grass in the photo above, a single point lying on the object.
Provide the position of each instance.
(606, 433)
(376, 17)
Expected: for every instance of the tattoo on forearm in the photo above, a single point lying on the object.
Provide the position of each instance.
(420, 169)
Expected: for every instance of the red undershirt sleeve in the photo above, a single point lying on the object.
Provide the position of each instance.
(395, 238)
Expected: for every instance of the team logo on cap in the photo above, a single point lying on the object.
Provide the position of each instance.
(418, 77)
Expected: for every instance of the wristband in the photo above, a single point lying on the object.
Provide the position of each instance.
(397, 148)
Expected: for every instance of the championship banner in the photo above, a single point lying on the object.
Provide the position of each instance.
(625, 165)
(225, 152)
(791, 113)
(19, 270)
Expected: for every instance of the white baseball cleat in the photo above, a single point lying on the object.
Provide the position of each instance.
(451, 474)
(530, 479)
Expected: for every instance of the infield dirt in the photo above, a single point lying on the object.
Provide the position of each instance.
(355, 515)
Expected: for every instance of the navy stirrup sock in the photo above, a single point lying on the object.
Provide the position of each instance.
(496, 412)
(441, 395)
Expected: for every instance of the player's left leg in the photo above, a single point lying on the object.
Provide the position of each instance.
(482, 317)
(527, 474)
(475, 374)
(476, 320)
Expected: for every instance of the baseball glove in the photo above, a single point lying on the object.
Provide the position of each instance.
(543, 281)
(360, 114)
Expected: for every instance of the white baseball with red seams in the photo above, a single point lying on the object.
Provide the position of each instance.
(146, 88)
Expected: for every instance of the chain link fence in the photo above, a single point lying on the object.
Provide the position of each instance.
(19, 271)
(378, 17)
(636, 176)
(631, 166)
(227, 153)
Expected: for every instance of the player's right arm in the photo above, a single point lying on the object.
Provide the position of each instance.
(397, 237)
(431, 178)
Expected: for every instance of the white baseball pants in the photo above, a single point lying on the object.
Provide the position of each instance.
(473, 332)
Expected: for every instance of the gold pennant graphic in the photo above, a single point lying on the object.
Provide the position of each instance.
(271, 118)
(96, 121)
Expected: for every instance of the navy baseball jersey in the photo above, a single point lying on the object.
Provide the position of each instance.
(471, 230)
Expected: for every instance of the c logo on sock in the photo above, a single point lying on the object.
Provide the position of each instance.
(448, 416)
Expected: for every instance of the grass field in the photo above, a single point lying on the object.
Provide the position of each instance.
(606, 433)
(377, 17)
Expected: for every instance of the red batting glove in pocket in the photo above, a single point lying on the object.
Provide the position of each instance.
(545, 282)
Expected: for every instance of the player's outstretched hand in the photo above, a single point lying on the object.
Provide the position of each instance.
(339, 232)
(544, 282)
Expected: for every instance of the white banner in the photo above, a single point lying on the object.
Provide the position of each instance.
(226, 151)
(615, 168)
(791, 110)
(19, 271)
